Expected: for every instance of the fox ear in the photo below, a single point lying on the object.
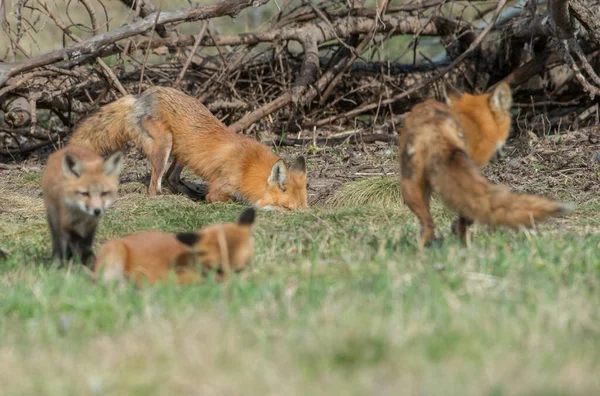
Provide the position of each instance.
(188, 238)
(501, 99)
(113, 164)
(450, 93)
(71, 166)
(299, 165)
(278, 173)
(247, 217)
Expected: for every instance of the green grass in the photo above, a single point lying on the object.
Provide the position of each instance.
(337, 301)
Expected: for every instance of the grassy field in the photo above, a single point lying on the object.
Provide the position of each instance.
(337, 301)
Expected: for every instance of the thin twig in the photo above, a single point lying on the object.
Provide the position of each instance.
(426, 82)
(149, 43)
(192, 52)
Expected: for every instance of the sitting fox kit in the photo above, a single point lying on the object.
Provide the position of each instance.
(153, 256)
(78, 187)
(443, 147)
(165, 122)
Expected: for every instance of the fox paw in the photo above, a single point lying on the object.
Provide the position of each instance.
(435, 241)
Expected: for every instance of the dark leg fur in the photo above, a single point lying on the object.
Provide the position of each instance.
(60, 248)
(460, 227)
(82, 246)
(178, 186)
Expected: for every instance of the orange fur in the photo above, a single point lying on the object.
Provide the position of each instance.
(443, 146)
(166, 122)
(78, 187)
(153, 256)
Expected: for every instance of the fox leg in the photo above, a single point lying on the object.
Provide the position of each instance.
(460, 227)
(82, 247)
(59, 244)
(174, 181)
(157, 146)
(416, 195)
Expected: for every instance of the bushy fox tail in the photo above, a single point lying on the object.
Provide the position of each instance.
(110, 128)
(463, 188)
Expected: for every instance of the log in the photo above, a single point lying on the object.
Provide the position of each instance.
(17, 112)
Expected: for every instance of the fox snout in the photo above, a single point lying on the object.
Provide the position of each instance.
(91, 208)
(94, 211)
(498, 154)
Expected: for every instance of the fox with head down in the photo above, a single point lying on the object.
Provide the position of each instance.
(165, 122)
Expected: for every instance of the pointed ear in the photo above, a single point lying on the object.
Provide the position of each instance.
(188, 238)
(71, 166)
(451, 94)
(299, 165)
(501, 99)
(113, 164)
(247, 217)
(278, 173)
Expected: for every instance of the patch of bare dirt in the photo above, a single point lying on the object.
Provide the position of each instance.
(565, 167)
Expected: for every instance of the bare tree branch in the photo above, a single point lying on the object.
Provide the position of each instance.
(95, 43)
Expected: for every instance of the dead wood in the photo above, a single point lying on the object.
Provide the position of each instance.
(17, 112)
(94, 44)
(312, 68)
(353, 138)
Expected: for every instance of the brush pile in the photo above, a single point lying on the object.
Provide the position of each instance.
(313, 72)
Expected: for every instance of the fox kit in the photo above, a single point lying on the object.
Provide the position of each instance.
(152, 256)
(78, 187)
(166, 122)
(443, 147)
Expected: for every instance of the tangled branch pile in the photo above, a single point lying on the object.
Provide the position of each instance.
(314, 70)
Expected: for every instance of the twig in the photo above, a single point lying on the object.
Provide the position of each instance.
(192, 52)
(426, 82)
(94, 44)
(66, 30)
(149, 43)
(354, 138)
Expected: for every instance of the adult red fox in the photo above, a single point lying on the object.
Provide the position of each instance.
(443, 147)
(166, 122)
(78, 187)
(153, 256)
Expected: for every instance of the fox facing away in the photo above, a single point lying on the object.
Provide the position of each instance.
(78, 187)
(166, 122)
(443, 147)
(153, 256)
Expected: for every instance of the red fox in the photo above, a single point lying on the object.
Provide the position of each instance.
(166, 122)
(443, 147)
(152, 256)
(78, 187)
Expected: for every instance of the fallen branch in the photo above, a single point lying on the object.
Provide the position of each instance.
(354, 138)
(17, 111)
(455, 63)
(95, 43)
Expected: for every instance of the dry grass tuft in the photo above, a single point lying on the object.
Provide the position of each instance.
(373, 191)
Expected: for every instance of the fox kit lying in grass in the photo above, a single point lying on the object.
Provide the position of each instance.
(166, 122)
(443, 147)
(152, 256)
(78, 187)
